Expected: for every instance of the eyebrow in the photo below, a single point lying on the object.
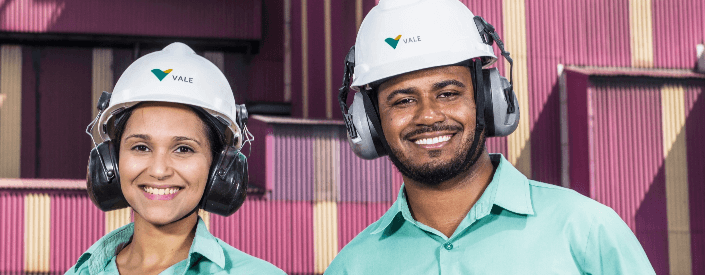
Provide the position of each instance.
(445, 83)
(405, 91)
(147, 137)
(180, 138)
(436, 86)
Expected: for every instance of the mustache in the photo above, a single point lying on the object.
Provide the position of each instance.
(433, 128)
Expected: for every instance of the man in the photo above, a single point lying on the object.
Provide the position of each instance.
(426, 100)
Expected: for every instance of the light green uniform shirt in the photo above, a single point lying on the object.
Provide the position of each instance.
(208, 255)
(518, 226)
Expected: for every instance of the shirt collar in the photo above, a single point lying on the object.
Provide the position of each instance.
(508, 189)
(100, 253)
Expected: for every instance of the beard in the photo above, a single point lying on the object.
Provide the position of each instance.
(433, 174)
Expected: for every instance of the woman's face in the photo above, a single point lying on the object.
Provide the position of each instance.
(164, 162)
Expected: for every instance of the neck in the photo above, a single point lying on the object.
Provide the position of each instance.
(155, 247)
(445, 205)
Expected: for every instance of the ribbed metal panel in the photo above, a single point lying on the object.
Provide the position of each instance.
(515, 33)
(353, 217)
(12, 231)
(37, 224)
(678, 26)
(280, 232)
(676, 170)
(293, 163)
(325, 234)
(564, 32)
(173, 18)
(695, 134)
(75, 225)
(641, 36)
(11, 110)
(326, 155)
(117, 218)
(364, 180)
(627, 158)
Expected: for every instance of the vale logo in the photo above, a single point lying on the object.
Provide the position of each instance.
(161, 74)
(393, 41)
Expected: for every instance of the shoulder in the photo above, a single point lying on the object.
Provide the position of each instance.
(564, 202)
(356, 251)
(240, 262)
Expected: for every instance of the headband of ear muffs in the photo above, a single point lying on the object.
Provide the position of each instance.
(497, 106)
(225, 189)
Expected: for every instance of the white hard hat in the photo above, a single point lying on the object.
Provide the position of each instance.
(175, 74)
(448, 37)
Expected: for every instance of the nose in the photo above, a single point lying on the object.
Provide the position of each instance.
(160, 167)
(429, 113)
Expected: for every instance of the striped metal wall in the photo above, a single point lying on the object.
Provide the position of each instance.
(695, 134)
(12, 216)
(170, 19)
(630, 148)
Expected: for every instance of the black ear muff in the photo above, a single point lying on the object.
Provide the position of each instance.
(227, 185)
(103, 179)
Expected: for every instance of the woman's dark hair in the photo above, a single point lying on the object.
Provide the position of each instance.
(214, 136)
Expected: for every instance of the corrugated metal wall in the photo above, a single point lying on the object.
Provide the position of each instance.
(12, 216)
(75, 225)
(280, 232)
(695, 134)
(172, 18)
(628, 156)
(11, 111)
(638, 160)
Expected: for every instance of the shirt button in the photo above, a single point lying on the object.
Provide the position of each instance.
(448, 246)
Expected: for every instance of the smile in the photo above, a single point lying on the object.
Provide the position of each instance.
(154, 193)
(433, 140)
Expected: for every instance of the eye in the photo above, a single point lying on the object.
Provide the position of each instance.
(448, 94)
(404, 101)
(184, 149)
(140, 147)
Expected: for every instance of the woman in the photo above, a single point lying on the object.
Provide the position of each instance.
(171, 136)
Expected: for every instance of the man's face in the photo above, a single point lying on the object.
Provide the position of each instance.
(428, 119)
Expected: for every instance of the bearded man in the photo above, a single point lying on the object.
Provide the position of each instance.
(427, 97)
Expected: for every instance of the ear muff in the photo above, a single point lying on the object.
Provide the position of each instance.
(227, 184)
(103, 179)
(367, 144)
(501, 107)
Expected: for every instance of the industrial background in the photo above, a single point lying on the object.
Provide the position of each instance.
(610, 91)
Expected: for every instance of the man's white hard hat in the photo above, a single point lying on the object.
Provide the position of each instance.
(175, 74)
(401, 36)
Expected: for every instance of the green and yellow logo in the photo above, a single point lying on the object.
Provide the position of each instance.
(161, 74)
(393, 41)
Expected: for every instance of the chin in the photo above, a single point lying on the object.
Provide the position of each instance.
(160, 217)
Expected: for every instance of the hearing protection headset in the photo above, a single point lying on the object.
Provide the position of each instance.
(226, 187)
(497, 106)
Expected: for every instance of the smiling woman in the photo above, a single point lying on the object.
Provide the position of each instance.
(170, 147)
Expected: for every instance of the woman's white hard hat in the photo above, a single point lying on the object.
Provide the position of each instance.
(448, 37)
(175, 74)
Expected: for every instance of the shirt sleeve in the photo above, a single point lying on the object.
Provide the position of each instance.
(612, 248)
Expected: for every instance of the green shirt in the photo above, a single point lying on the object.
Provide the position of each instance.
(518, 226)
(208, 255)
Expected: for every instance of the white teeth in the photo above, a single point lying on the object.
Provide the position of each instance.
(160, 191)
(434, 140)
